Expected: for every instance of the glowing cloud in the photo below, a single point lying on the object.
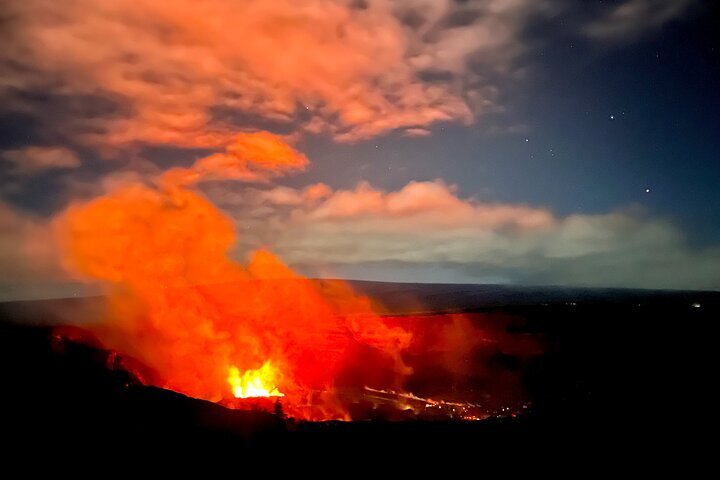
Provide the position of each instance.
(186, 73)
(426, 229)
(31, 160)
(250, 157)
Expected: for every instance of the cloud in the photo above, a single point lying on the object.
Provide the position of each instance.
(193, 74)
(31, 160)
(424, 231)
(29, 262)
(634, 18)
(165, 68)
(430, 204)
(416, 132)
(250, 157)
(293, 197)
(424, 228)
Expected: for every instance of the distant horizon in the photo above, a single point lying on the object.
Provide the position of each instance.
(96, 291)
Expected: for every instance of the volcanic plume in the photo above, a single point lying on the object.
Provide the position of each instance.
(208, 326)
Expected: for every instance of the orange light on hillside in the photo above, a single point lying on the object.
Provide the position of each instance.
(255, 383)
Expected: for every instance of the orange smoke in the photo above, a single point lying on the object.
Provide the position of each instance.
(208, 326)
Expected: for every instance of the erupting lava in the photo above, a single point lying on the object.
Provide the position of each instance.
(255, 383)
(180, 305)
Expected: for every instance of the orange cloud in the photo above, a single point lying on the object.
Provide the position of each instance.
(427, 226)
(352, 70)
(36, 159)
(417, 132)
(250, 157)
(292, 197)
(432, 202)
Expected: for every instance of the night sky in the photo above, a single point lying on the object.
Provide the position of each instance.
(544, 142)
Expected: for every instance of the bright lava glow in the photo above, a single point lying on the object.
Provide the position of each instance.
(254, 383)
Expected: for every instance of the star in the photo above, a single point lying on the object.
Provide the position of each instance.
(612, 117)
(647, 190)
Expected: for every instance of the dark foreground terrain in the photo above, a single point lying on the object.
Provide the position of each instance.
(621, 375)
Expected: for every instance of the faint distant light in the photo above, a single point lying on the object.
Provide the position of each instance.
(696, 305)
(527, 139)
(647, 190)
(612, 117)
